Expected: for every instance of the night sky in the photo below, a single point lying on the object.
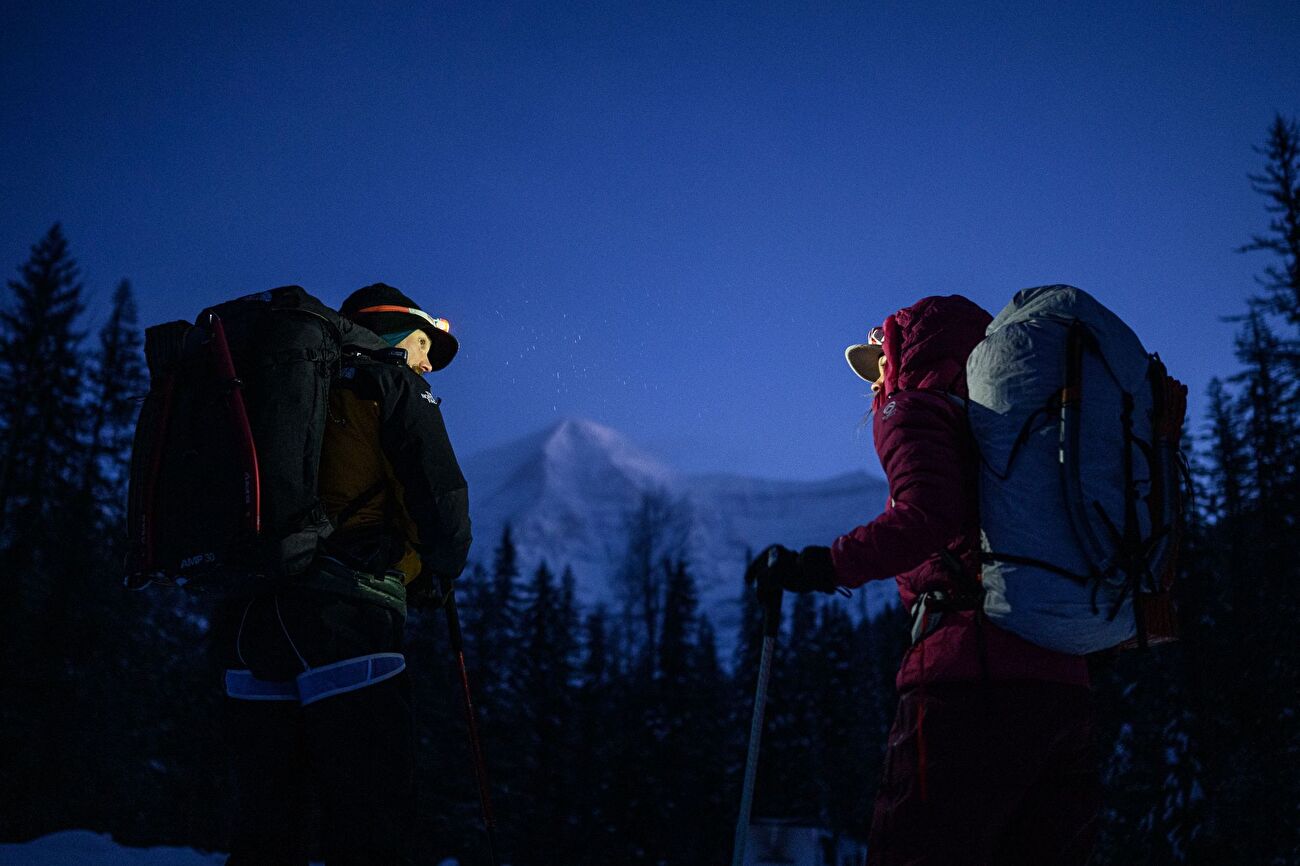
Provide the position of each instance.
(668, 218)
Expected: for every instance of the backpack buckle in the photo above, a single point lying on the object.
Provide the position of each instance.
(927, 613)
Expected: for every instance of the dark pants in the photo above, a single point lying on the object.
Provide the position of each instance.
(1010, 778)
(353, 752)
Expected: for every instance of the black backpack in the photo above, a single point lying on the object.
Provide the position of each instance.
(226, 455)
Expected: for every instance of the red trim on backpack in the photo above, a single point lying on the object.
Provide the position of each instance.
(252, 477)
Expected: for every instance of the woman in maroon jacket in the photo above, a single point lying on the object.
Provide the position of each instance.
(990, 758)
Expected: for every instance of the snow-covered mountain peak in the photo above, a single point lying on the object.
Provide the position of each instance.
(574, 429)
(569, 492)
(582, 450)
(566, 491)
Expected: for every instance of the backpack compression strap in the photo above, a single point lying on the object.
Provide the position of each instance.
(235, 399)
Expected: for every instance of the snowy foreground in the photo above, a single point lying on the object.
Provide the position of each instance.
(84, 848)
(98, 849)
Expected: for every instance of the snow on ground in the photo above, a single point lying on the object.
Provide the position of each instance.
(84, 848)
(79, 847)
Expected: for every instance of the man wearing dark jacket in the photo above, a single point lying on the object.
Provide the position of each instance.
(320, 699)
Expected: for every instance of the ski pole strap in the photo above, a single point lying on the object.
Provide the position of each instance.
(320, 683)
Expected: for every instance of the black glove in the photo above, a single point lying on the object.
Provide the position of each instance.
(768, 572)
(425, 592)
(816, 571)
(810, 569)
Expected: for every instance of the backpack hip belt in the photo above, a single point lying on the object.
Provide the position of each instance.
(928, 609)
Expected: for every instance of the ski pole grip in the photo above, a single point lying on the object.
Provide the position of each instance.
(453, 615)
(772, 613)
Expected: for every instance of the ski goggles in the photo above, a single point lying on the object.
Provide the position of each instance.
(864, 358)
(439, 323)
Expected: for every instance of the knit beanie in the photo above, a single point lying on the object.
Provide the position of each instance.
(393, 316)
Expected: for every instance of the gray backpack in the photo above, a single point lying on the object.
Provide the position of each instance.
(1080, 483)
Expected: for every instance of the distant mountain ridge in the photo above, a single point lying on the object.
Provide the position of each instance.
(567, 492)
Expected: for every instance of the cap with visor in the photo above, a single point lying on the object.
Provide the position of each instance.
(864, 358)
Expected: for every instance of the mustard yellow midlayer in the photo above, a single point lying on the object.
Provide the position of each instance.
(352, 463)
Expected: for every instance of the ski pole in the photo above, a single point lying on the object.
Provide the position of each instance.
(475, 746)
(771, 626)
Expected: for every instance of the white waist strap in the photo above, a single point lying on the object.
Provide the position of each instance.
(319, 683)
(348, 676)
(246, 687)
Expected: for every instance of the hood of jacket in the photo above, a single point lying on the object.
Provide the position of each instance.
(927, 344)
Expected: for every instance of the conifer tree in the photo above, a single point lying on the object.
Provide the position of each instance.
(41, 426)
(91, 627)
(1227, 465)
(656, 533)
(675, 650)
(711, 800)
(749, 643)
(1280, 184)
(786, 785)
(543, 686)
(568, 628)
(491, 621)
(1270, 654)
(505, 567)
(492, 611)
(117, 380)
(843, 734)
(685, 769)
(672, 716)
(1265, 402)
(1210, 723)
(597, 728)
(40, 387)
(716, 740)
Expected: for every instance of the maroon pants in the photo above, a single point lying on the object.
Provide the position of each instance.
(1001, 774)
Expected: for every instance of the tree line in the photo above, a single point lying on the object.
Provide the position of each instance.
(616, 734)
(1202, 737)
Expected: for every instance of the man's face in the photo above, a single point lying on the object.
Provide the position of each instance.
(416, 345)
(880, 381)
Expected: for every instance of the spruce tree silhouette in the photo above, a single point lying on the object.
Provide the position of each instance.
(42, 422)
(117, 381)
(1280, 184)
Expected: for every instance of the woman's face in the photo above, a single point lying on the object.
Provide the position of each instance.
(880, 380)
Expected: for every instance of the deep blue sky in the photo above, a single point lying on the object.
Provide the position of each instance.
(670, 218)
